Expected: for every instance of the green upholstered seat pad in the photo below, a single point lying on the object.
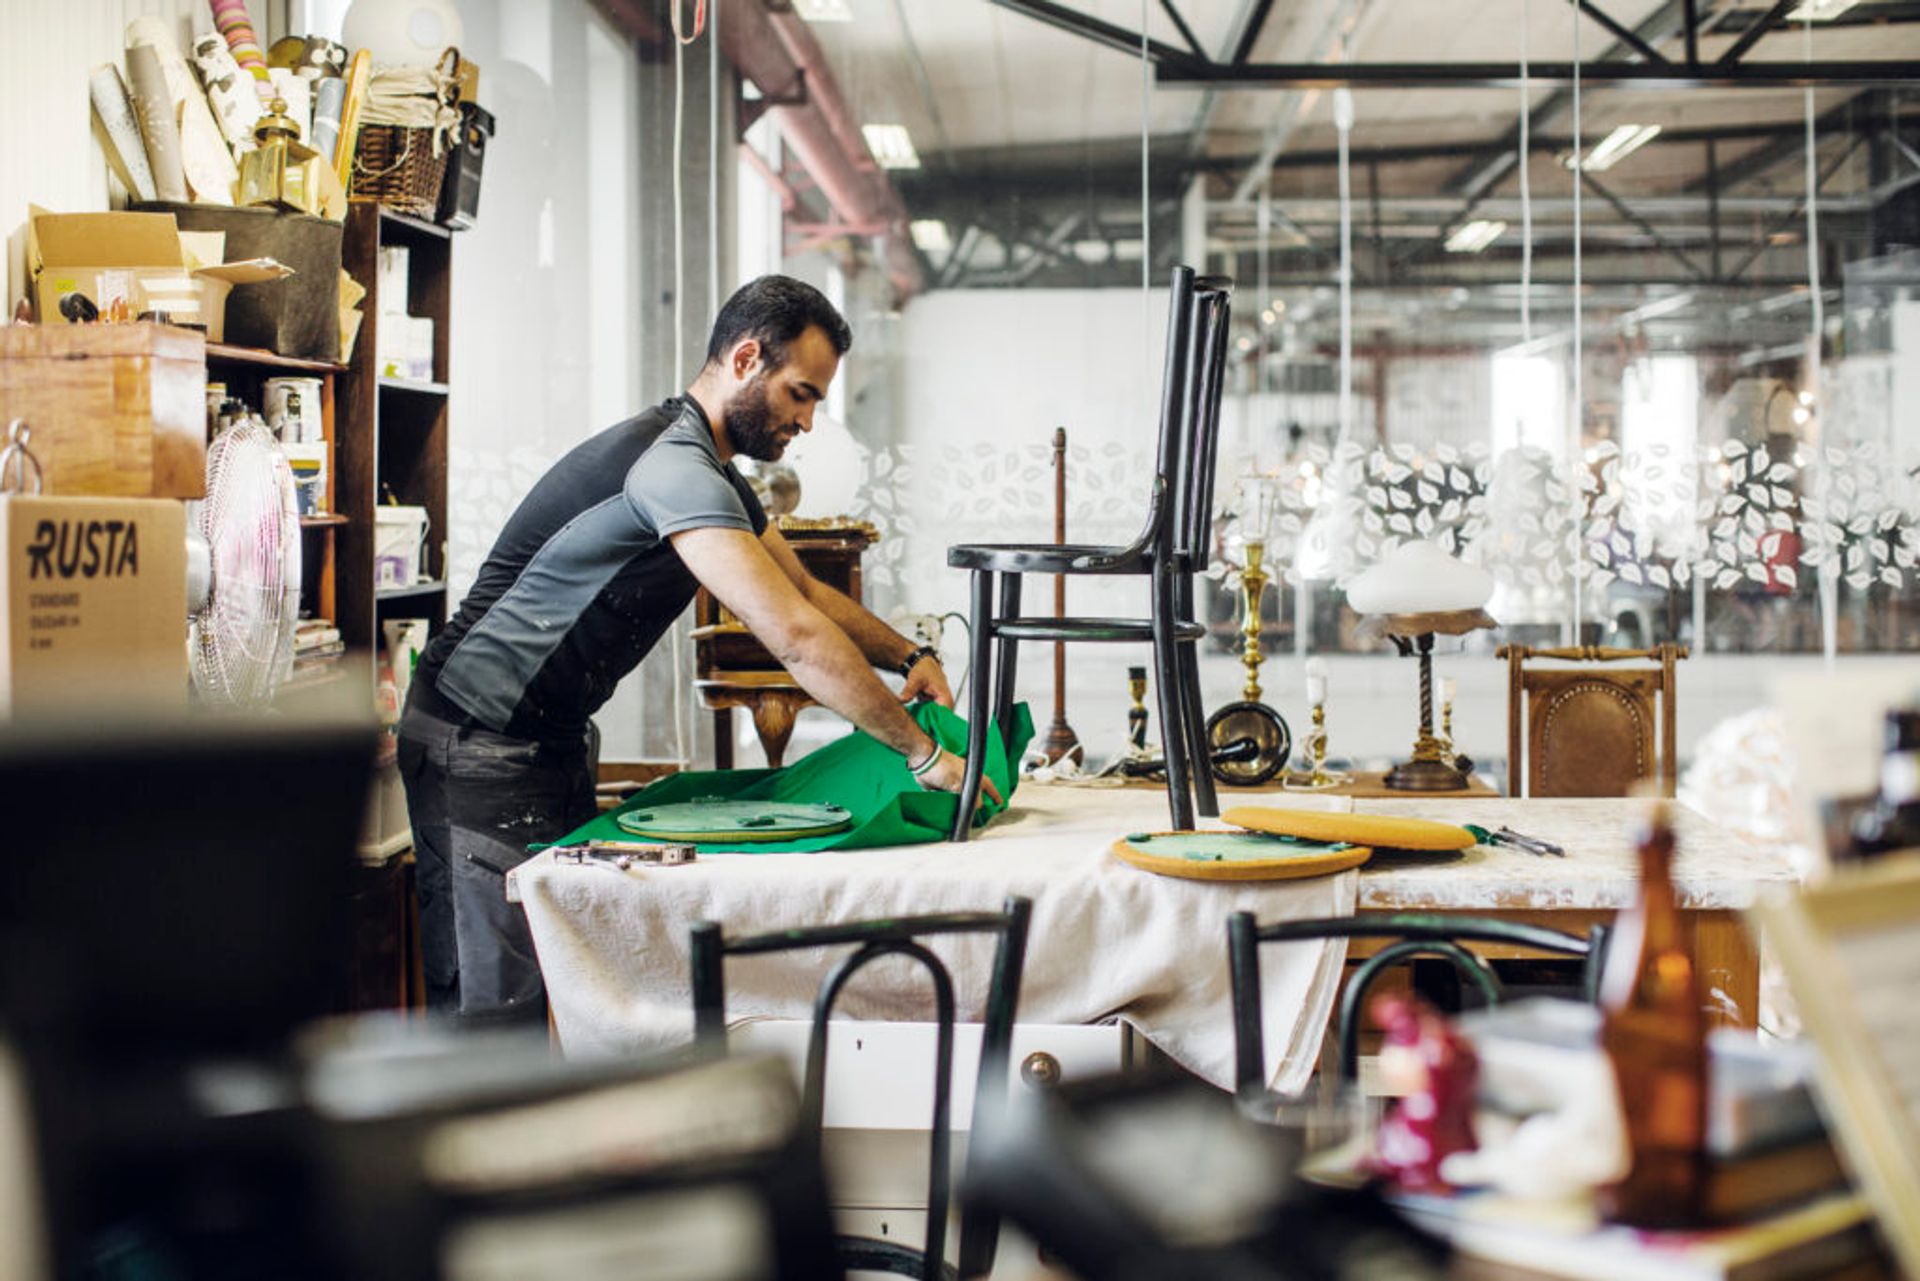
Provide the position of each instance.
(1229, 847)
(857, 773)
(707, 818)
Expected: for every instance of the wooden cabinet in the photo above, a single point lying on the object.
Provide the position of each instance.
(732, 669)
(393, 430)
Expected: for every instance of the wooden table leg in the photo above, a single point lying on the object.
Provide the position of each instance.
(1728, 967)
(723, 738)
(773, 715)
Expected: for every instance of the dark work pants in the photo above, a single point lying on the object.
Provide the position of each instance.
(476, 800)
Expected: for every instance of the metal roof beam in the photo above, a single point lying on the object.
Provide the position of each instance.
(1085, 25)
(1506, 75)
(1625, 35)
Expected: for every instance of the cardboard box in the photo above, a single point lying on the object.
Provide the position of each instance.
(297, 316)
(95, 594)
(131, 264)
(115, 410)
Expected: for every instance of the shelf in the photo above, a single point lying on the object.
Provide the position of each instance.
(413, 386)
(317, 676)
(219, 353)
(407, 223)
(412, 589)
(322, 522)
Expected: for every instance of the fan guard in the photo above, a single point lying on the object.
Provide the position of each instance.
(241, 640)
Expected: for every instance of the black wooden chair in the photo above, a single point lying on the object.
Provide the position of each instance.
(1417, 934)
(979, 1229)
(1171, 547)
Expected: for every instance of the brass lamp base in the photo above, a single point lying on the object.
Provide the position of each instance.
(1426, 776)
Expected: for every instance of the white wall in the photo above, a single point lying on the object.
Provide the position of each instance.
(49, 155)
(983, 377)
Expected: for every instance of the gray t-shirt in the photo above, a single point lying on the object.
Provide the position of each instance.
(582, 581)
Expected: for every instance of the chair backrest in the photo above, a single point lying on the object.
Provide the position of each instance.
(1193, 503)
(1173, 380)
(899, 936)
(1415, 934)
(1590, 730)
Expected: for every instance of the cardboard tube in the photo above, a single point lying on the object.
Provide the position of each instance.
(153, 107)
(125, 150)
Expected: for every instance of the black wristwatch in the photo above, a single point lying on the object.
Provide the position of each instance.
(923, 651)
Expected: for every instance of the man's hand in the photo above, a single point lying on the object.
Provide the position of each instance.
(928, 680)
(950, 771)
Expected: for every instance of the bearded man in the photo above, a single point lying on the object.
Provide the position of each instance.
(497, 746)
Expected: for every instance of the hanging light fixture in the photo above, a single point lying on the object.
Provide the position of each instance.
(1615, 147)
(1473, 237)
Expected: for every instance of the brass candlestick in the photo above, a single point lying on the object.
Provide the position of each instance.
(1253, 585)
(1317, 778)
(1446, 716)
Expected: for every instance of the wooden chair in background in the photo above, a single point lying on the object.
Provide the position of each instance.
(1590, 731)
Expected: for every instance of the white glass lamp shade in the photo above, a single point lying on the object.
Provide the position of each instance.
(1420, 578)
(402, 32)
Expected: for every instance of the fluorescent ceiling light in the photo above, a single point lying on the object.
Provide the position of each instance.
(1616, 146)
(823, 10)
(1475, 236)
(930, 234)
(891, 146)
(1820, 10)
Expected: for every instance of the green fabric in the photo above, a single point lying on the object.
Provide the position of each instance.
(1228, 847)
(857, 773)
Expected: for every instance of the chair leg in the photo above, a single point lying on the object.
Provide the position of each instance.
(1199, 751)
(1006, 661)
(979, 703)
(1166, 679)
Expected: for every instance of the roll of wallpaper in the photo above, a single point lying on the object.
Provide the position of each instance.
(230, 19)
(153, 108)
(329, 96)
(204, 155)
(125, 150)
(230, 91)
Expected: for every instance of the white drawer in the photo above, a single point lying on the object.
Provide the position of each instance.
(1015, 1258)
(880, 1075)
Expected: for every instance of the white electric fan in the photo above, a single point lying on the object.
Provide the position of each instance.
(243, 589)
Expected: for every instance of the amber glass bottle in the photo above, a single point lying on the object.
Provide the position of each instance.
(1894, 821)
(1654, 1032)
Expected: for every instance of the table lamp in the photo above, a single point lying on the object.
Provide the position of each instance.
(1414, 593)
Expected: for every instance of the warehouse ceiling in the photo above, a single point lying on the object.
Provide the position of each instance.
(1029, 140)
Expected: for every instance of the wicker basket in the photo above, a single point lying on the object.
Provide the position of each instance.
(398, 167)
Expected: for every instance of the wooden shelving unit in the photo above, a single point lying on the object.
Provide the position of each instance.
(393, 430)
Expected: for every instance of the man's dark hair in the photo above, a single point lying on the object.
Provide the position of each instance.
(776, 310)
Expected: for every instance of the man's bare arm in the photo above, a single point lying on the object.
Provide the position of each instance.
(737, 569)
(883, 646)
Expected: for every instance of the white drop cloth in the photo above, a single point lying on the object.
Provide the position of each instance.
(1108, 941)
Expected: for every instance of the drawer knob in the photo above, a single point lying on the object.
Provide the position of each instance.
(1040, 1069)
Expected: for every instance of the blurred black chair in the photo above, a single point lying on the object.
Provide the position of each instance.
(1171, 547)
(979, 1229)
(1417, 934)
(1140, 1177)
